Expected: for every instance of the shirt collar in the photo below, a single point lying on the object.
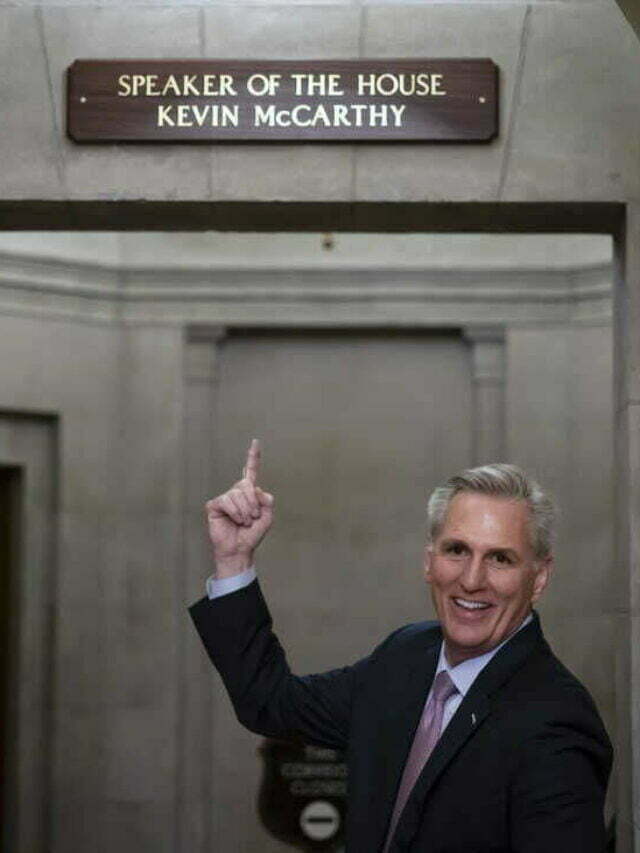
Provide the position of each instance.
(464, 674)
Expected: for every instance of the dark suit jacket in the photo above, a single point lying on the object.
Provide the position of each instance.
(521, 768)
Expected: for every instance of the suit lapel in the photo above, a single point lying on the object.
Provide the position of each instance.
(463, 725)
(478, 703)
(407, 695)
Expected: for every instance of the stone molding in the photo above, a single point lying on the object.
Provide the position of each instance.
(487, 348)
(267, 295)
(488, 376)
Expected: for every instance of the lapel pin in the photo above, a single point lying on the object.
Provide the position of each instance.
(473, 719)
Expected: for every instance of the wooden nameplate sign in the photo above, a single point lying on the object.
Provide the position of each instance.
(417, 100)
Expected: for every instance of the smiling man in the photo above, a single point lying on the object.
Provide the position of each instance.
(462, 736)
(489, 556)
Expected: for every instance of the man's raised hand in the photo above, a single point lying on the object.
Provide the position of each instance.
(239, 518)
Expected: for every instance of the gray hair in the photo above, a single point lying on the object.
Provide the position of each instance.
(499, 480)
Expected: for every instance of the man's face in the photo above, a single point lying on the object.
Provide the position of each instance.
(483, 573)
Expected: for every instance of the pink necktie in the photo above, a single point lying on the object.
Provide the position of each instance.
(425, 739)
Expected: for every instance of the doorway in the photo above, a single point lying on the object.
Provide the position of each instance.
(528, 217)
(11, 483)
(27, 571)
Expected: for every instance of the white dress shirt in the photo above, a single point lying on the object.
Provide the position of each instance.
(223, 586)
(464, 674)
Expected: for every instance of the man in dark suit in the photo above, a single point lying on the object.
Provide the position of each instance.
(463, 736)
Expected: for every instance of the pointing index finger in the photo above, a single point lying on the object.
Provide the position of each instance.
(250, 471)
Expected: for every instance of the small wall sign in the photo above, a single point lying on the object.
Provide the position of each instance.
(303, 795)
(417, 100)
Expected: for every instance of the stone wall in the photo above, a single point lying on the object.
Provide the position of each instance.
(569, 134)
(569, 122)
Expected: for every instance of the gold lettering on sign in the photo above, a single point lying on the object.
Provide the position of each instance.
(333, 115)
(317, 84)
(180, 85)
(388, 84)
(193, 115)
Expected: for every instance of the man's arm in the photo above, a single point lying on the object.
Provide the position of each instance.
(236, 629)
(559, 788)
